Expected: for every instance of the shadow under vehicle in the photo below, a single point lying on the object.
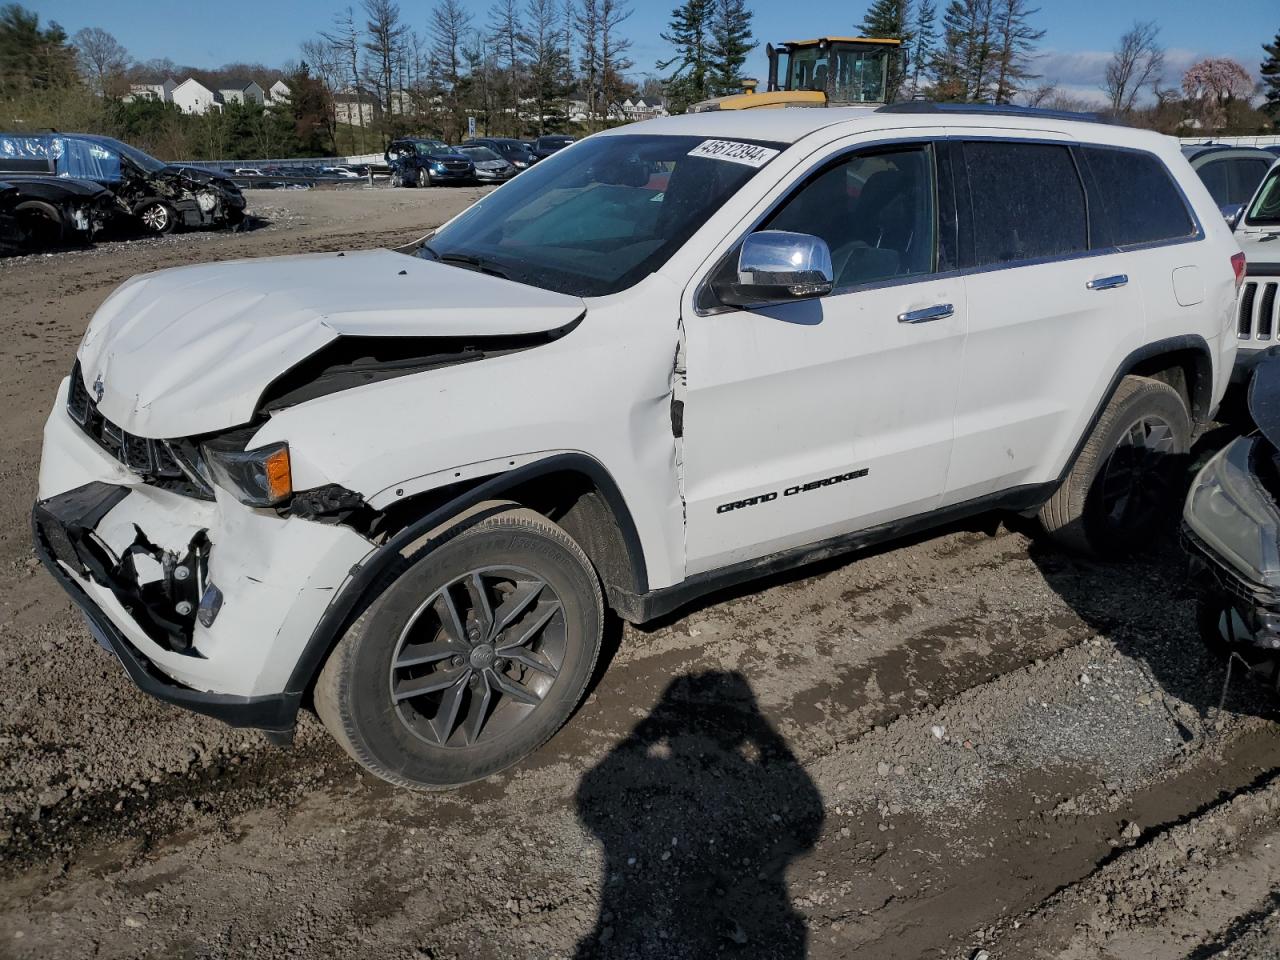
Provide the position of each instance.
(149, 195)
(1231, 529)
(49, 212)
(417, 162)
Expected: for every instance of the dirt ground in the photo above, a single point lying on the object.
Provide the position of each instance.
(963, 744)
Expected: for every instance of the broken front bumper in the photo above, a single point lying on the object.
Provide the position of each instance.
(116, 545)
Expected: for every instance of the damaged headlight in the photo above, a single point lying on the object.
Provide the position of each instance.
(261, 477)
(1230, 511)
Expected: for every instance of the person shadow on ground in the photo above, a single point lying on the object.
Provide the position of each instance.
(700, 810)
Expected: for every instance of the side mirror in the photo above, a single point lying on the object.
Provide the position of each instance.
(775, 266)
(1231, 212)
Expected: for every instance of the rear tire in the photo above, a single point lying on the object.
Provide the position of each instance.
(1123, 486)
(41, 224)
(429, 690)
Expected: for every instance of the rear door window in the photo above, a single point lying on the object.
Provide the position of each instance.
(25, 154)
(1133, 198)
(1027, 202)
(1246, 174)
(1216, 178)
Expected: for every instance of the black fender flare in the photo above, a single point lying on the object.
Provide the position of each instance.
(1200, 393)
(362, 587)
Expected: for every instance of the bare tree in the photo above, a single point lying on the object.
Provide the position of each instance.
(1137, 63)
(542, 46)
(450, 24)
(586, 22)
(102, 59)
(614, 62)
(384, 33)
(506, 31)
(345, 41)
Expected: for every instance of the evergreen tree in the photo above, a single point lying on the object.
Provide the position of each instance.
(1270, 71)
(891, 18)
(731, 41)
(924, 49)
(965, 62)
(32, 57)
(688, 34)
(1015, 41)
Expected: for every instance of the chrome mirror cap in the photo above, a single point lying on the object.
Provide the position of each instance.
(777, 266)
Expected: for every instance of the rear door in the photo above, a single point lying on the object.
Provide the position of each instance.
(1137, 208)
(1048, 316)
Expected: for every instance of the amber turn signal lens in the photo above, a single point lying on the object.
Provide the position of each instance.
(279, 474)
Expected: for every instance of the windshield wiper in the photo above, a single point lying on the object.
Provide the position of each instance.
(469, 262)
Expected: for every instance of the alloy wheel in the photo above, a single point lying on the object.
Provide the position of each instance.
(156, 218)
(478, 656)
(1136, 480)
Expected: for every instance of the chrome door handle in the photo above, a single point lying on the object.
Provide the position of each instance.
(1108, 283)
(937, 312)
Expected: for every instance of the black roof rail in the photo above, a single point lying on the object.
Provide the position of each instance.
(992, 110)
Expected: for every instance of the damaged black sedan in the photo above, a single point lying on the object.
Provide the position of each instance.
(1231, 528)
(149, 195)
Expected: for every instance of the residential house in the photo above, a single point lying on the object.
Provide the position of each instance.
(161, 90)
(279, 92)
(239, 91)
(192, 96)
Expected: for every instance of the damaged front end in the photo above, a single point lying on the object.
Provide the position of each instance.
(177, 196)
(1231, 530)
(205, 591)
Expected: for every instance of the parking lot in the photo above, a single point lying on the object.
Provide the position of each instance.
(967, 741)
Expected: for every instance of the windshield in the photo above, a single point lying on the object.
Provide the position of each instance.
(426, 147)
(148, 163)
(478, 153)
(1266, 205)
(598, 218)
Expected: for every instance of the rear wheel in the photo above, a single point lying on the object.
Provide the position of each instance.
(471, 659)
(1123, 487)
(41, 224)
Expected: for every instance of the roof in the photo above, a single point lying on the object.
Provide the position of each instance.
(789, 125)
(1194, 151)
(884, 41)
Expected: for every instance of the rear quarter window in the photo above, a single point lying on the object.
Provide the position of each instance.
(1027, 199)
(1133, 199)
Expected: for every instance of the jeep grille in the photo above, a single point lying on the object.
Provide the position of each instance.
(1256, 317)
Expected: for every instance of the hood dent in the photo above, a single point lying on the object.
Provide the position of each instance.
(191, 350)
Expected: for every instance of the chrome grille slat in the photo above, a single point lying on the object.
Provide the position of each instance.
(1258, 310)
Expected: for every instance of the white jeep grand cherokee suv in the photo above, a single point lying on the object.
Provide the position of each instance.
(676, 355)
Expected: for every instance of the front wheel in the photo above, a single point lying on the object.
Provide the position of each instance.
(471, 659)
(1123, 487)
(157, 218)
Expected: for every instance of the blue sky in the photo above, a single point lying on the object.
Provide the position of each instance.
(1080, 33)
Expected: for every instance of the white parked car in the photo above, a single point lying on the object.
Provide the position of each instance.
(671, 357)
(1258, 309)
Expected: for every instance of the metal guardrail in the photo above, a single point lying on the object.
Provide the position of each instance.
(1260, 140)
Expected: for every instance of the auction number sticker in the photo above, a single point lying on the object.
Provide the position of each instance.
(734, 151)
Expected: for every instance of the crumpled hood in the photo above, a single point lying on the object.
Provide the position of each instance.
(190, 350)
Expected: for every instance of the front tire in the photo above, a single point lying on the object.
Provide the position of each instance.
(472, 658)
(1122, 488)
(157, 218)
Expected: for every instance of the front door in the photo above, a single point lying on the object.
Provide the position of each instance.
(807, 420)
